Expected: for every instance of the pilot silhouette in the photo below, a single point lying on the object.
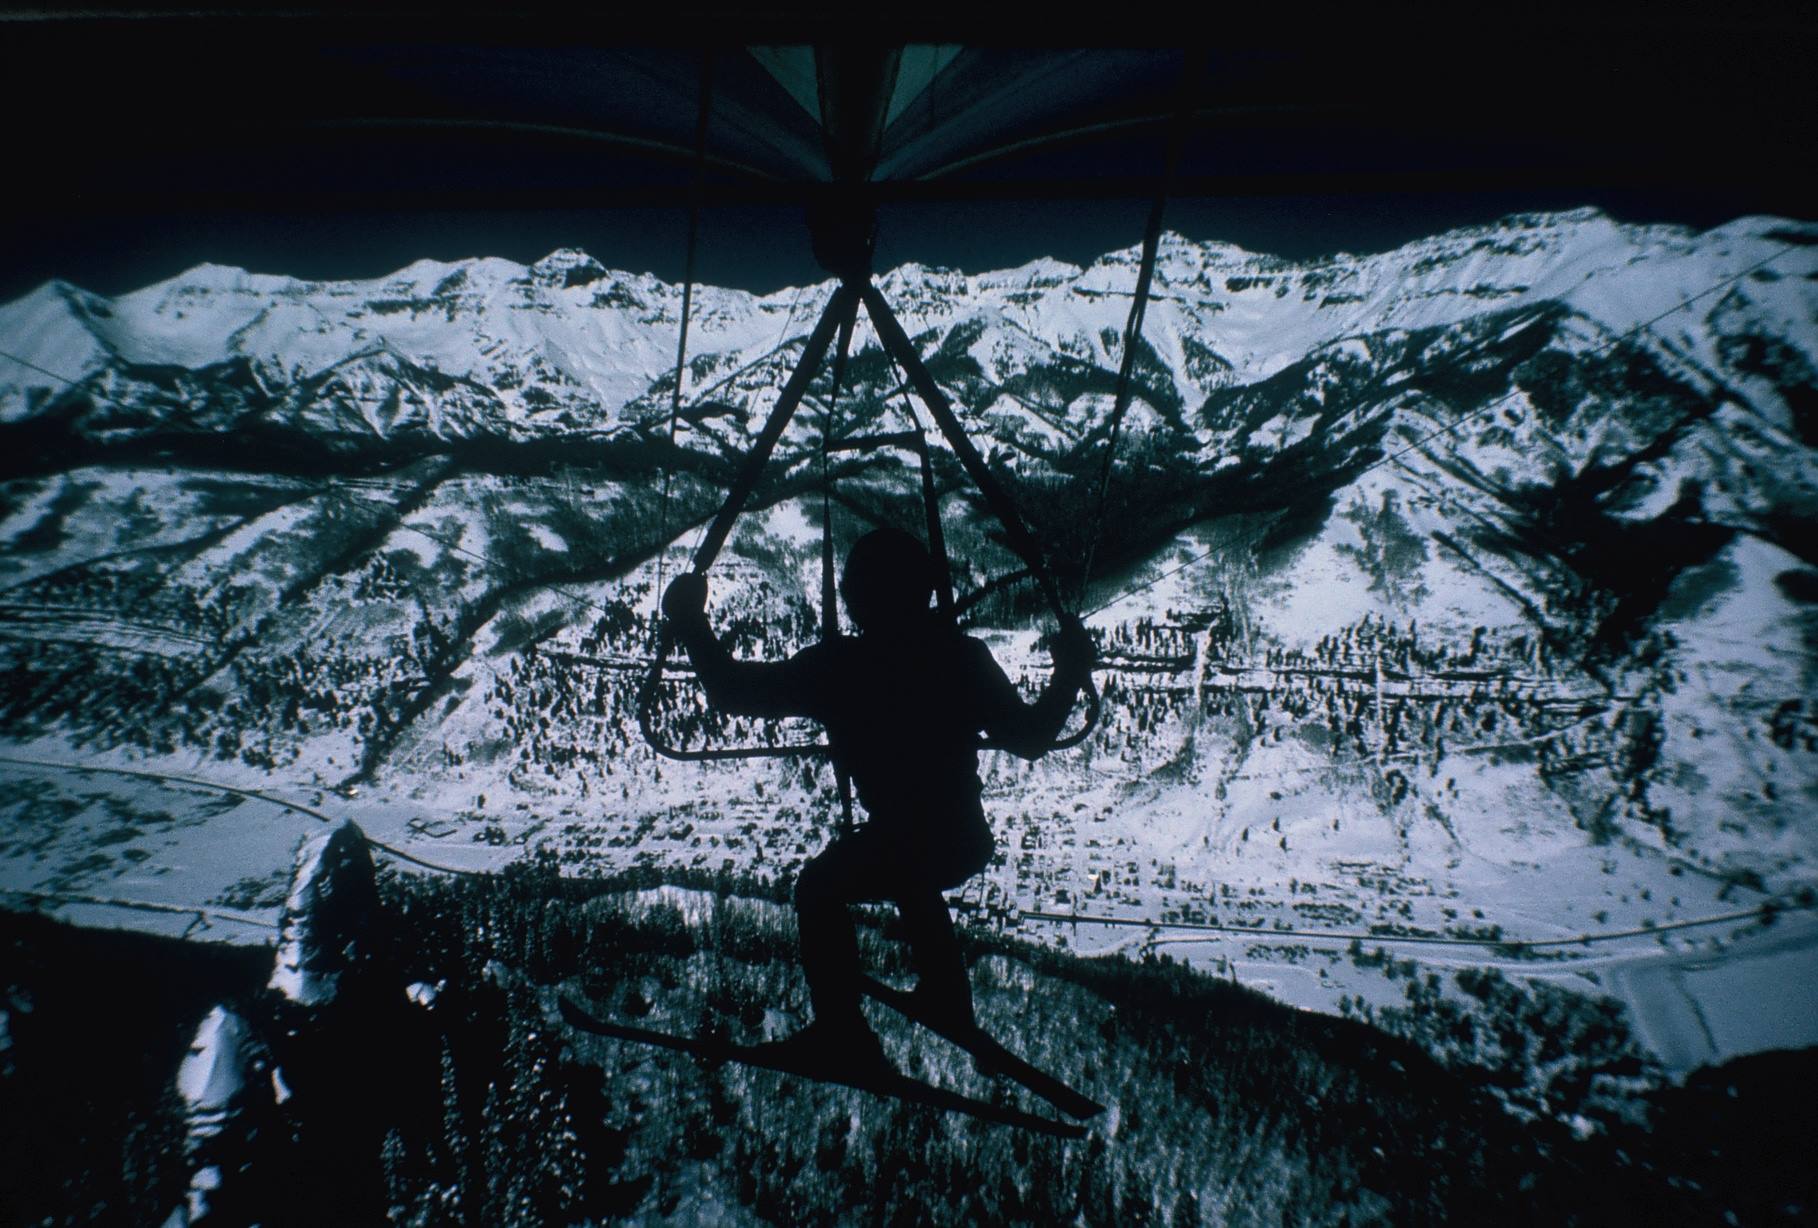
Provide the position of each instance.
(903, 703)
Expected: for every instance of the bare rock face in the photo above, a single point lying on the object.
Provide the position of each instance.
(325, 929)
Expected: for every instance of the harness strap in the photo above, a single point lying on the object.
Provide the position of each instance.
(830, 616)
(931, 512)
(759, 456)
(916, 440)
(1021, 540)
(890, 332)
(838, 307)
(830, 619)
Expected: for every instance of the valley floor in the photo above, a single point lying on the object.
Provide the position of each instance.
(173, 849)
(440, 1086)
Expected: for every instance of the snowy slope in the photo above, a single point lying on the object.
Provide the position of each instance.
(1463, 586)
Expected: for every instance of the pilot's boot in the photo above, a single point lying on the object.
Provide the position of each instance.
(843, 1045)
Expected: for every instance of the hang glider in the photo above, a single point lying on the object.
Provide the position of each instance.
(133, 107)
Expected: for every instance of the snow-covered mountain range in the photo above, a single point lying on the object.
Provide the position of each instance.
(1463, 586)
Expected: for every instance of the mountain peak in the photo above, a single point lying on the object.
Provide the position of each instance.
(1041, 272)
(233, 278)
(564, 257)
(568, 267)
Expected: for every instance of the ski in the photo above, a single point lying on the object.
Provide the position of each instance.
(891, 1084)
(991, 1056)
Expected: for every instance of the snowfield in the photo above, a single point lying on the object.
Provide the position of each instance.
(1461, 592)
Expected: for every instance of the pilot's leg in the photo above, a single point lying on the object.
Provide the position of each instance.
(941, 983)
(827, 886)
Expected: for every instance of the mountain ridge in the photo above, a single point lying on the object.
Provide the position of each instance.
(627, 315)
(1452, 609)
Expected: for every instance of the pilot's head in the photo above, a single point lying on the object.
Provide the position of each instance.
(889, 580)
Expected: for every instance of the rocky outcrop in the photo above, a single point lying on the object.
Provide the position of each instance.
(326, 934)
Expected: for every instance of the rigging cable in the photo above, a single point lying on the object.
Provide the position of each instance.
(702, 121)
(830, 613)
(1139, 303)
(997, 498)
(931, 499)
(717, 532)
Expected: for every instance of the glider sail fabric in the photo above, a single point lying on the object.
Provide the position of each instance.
(404, 108)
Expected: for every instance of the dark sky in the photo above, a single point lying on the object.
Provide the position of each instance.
(182, 145)
(763, 248)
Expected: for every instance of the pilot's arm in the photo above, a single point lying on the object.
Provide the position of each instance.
(744, 688)
(1029, 730)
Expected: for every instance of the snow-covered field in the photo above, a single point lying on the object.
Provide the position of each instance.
(167, 853)
(1459, 592)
